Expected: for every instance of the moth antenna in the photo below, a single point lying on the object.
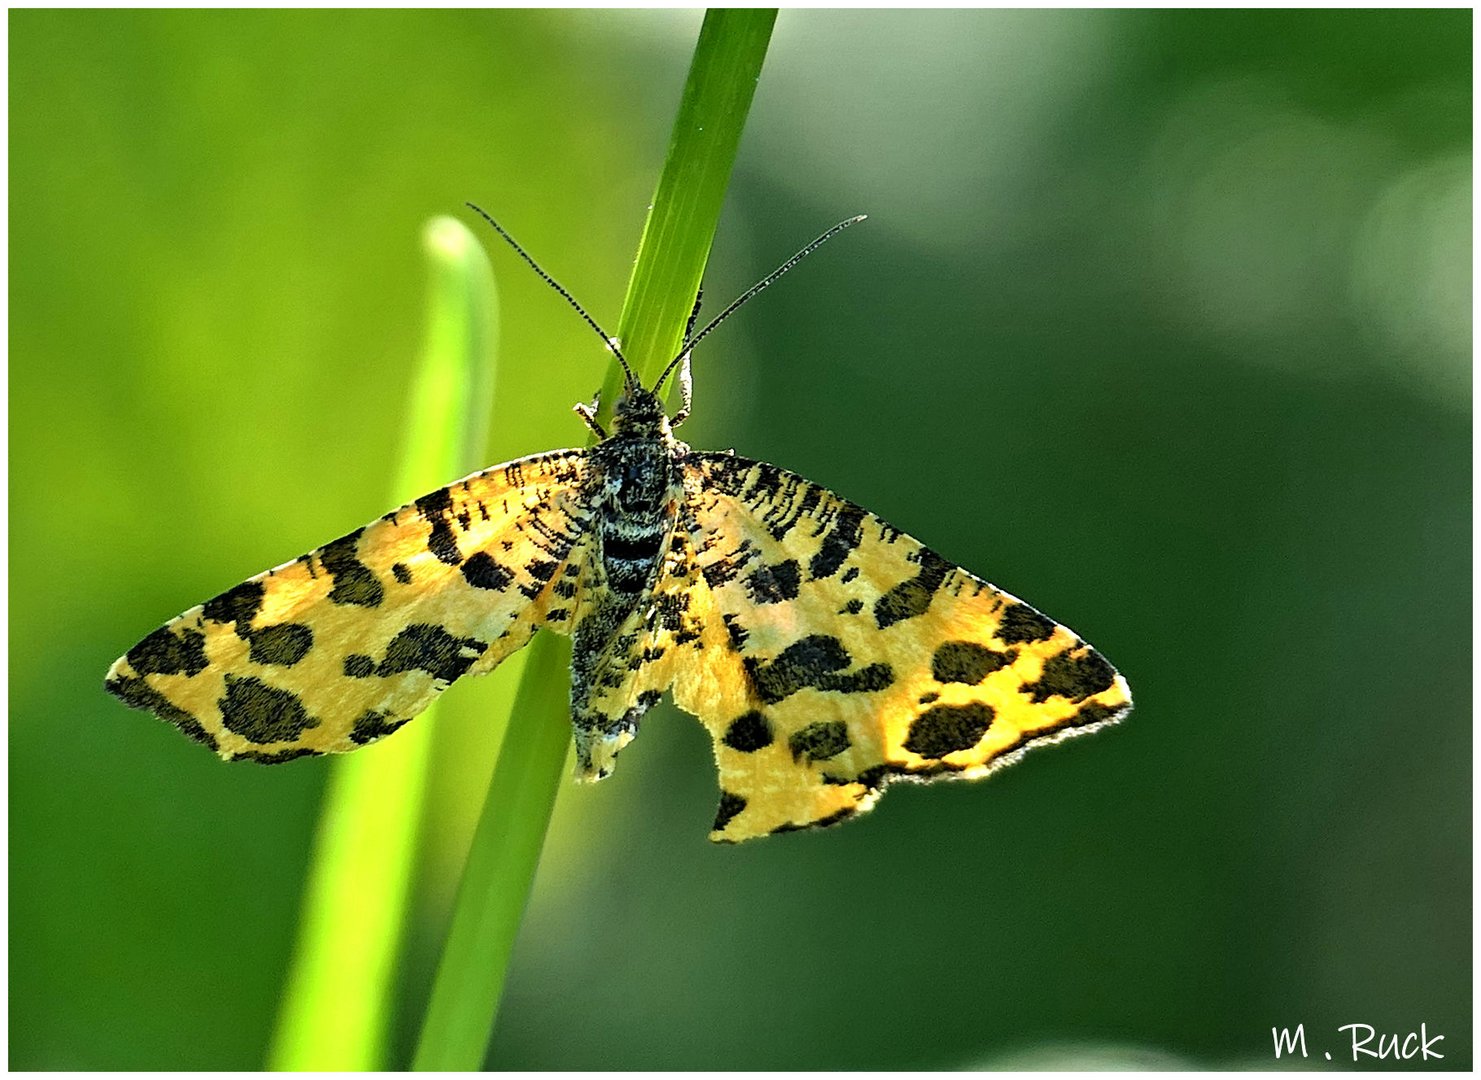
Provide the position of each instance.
(607, 340)
(691, 342)
(699, 298)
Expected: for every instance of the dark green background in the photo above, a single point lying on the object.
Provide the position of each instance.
(1161, 321)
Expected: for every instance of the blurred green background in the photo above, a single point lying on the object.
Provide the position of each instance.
(1161, 321)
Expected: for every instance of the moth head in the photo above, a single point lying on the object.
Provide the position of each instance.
(639, 412)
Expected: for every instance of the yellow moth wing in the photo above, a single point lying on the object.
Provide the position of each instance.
(853, 655)
(344, 644)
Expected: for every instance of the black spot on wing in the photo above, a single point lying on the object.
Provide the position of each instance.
(428, 647)
(718, 572)
(646, 655)
(669, 609)
(1021, 624)
(1093, 712)
(748, 732)
(725, 568)
(373, 725)
(836, 818)
(912, 597)
(166, 653)
(944, 729)
(724, 473)
(482, 571)
(629, 719)
(138, 694)
(783, 516)
(359, 666)
(819, 741)
(401, 572)
(766, 481)
(846, 535)
(1072, 676)
(1088, 715)
(436, 508)
(874, 778)
(261, 713)
(353, 581)
(737, 632)
(773, 583)
(967, 662)
(853, 607)
(817, 661)
(542, 570)
(238, 604)
(284, 644)
(821, 823)
(926, 772)
(730, 805)
(276, 757)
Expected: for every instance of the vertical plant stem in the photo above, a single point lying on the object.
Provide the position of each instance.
(337, 1002)
(511, 830)
(691, 190)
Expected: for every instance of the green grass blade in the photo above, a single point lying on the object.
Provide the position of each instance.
(686, 208)
(501, 864)
(337, 1002)
(671, 259)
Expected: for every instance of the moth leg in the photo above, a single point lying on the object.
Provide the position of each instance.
(686, 391)
(588, 414)
(686, 381)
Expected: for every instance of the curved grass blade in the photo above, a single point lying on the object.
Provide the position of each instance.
(337, 1002)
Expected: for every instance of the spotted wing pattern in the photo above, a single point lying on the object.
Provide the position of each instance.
(837, 654)
(345, 644)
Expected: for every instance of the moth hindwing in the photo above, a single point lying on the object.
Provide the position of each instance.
(826, 652)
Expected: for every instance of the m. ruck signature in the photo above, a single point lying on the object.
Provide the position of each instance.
(1366, 1041)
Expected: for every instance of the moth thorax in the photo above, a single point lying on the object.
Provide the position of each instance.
(638, 476)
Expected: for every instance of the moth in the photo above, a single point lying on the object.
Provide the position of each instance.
(827, 653)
